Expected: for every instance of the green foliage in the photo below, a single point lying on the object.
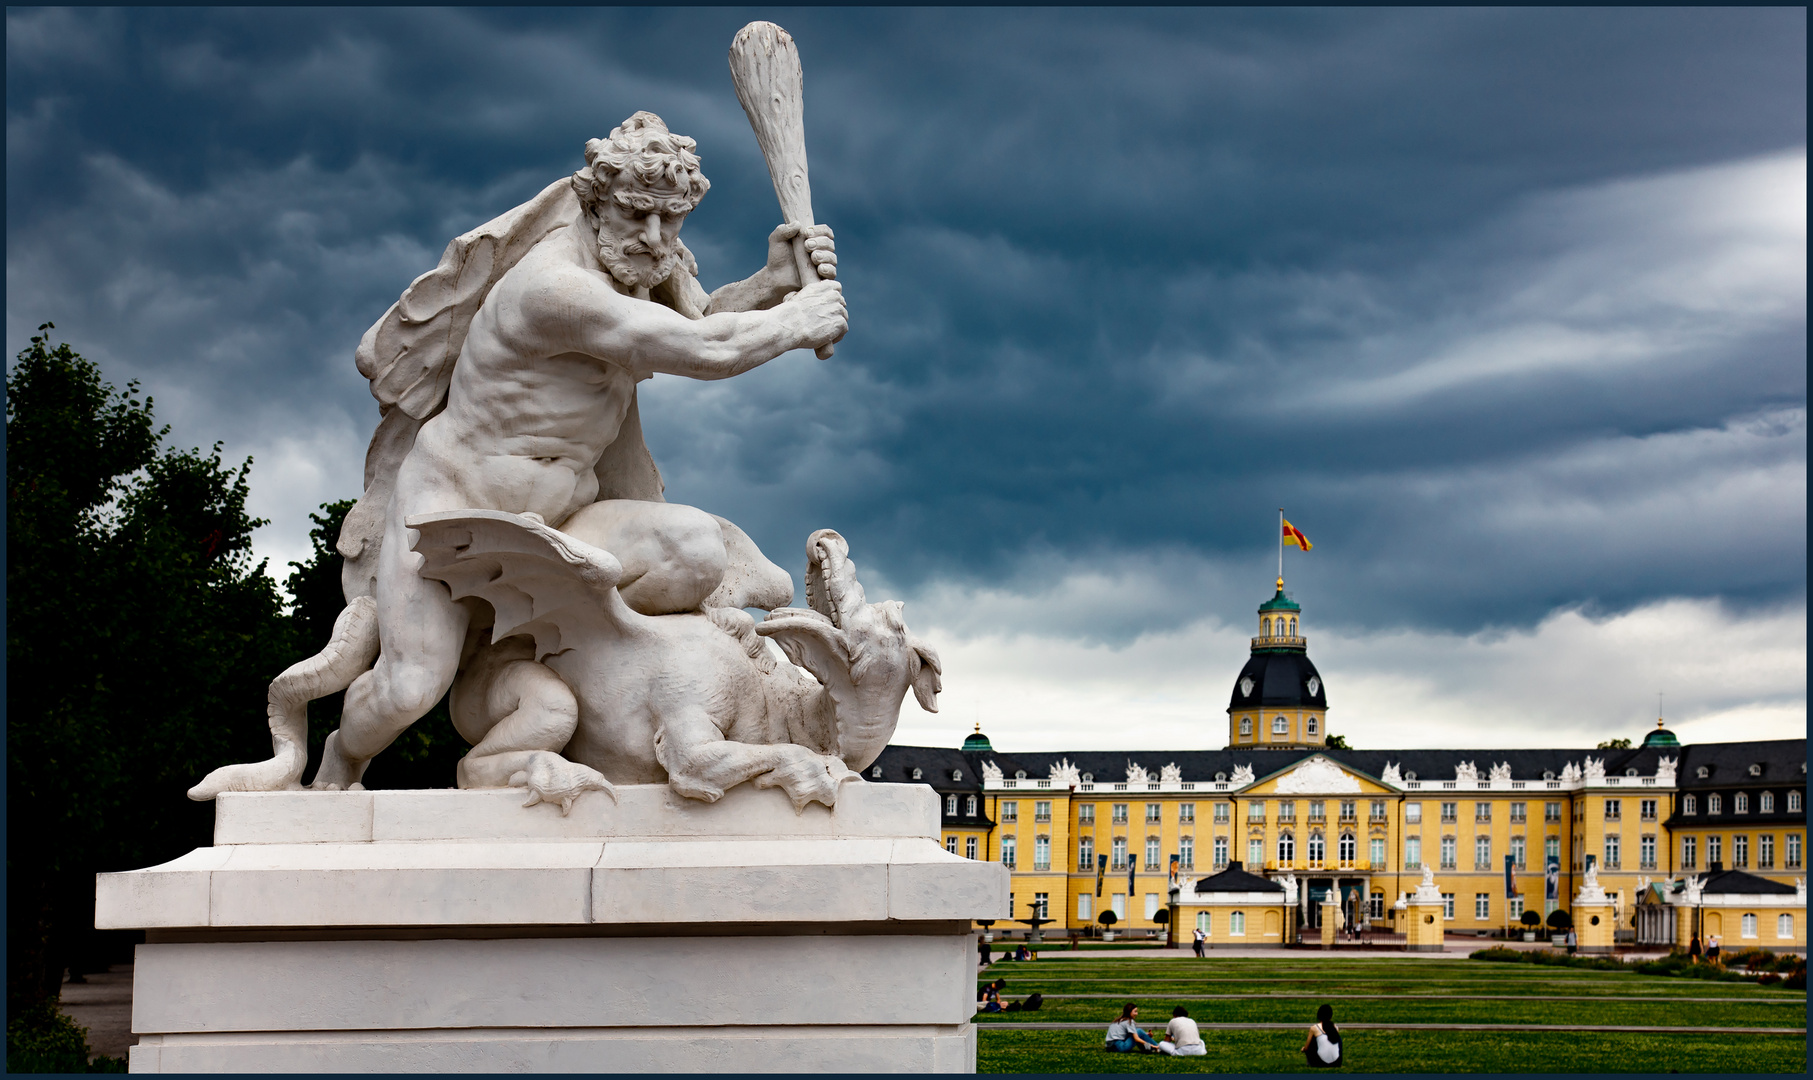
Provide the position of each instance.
(39, 1039)
(1108, 917)
(1614, 744)
(1530, 917)
(1336, 742)
(1559, 919)
(140, 638)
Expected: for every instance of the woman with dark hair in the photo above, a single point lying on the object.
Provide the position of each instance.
(1125, 1036)
(1322, 1050)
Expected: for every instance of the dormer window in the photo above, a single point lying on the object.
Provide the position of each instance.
(957, 776)
(1088, 778)
(1548, 774)
(875, 773)
(1630, 772)
(1246, 725)
(1765, 803)
(1756, 770)
(969, 806)
(1690, 805)
(1714, 804)
(1019, 774)
(950, 806)
(1410, 776)
(1740, 803)
(918, 774)
(1702, 772)
(1221, 777)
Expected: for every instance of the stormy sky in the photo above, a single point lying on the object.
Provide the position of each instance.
(1506, 308)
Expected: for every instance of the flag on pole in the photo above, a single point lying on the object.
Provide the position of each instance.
(1294, 535)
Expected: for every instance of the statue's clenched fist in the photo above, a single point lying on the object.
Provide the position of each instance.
(821, 248)
(820, 313)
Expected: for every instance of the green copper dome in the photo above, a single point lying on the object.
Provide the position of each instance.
(1279, 602)
(1661, 737)
(977, 743)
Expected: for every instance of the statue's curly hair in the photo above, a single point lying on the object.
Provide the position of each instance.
(662, 170)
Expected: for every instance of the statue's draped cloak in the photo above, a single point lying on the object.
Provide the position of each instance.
(409, 356)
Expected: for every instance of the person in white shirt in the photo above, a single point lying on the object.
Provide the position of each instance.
(1181, 1037)
(1322, 1049)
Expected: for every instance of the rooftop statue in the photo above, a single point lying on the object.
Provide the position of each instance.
(513, 543)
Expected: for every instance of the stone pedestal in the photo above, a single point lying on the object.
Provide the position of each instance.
(1424, 927)
(1330, 916)
(1594, 927)
(457, 931)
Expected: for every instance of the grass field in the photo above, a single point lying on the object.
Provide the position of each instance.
(1247, 992)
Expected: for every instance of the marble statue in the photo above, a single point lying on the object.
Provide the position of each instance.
(991, 773)
(1243, 774)
(1500, 773)
(1136, 773)
(1665, 770)
(1570, 773)
(1170, 774)
(1315, 776)
(1595, 771)
(513, 543)
(1064, 773)
(1466, 771)
(1392, 775)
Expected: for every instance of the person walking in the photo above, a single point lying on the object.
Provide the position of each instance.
(1573, 941)
(1322, 1049)
(982, 951)
(1712, 949)
(1181, 1037)
(1197, 944)
(1125, 1037)
(1693, 949)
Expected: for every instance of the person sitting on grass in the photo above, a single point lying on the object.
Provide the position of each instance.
(1125, 1037)
(1322, 1050)
(1181, 1037)
(991, 996)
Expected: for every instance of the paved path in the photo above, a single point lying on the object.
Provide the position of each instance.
(103, 1005)
(1345, 1026)
(1797, 1002)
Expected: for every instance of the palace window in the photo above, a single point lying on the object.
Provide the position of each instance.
(1448, 862)
(1152, 855)
(1287, 811)
(1151, 904)
(969, 847)
(1117, 903)
(1482, 906)
(1309, 726)
(1690, 853)
(1280, 726)
(1246, 727)
(1316, 849)
(1376, 906)
(1784, 926)
(1204, 923)
(1612, 846)
(1376, 850)
(1041, 853)
(1255, 853)
(1482, 853)
(1646, 809)
(1009, 851)
(1221, 852)
(1287, 848)
(1085, 853)
(1791, 852)
(1714, 804)
(1085, 814)
(1041, 810)
(1518, 810)
(1413, 813)
(1551, 850)
(1153, 810)
(1614, 809)
(1447, 905)
(1793, 802)
(1119, 850)
(1378, 810)
(1646, 852)
(950, 844)
(1714, 850)
(1690, 805)
(1119, 815)
(950, 806)
(1237, 924)
(1221, 813)
(1316, 810)
(1450, 813)
(1765, 852)
(1482, 813)
(1010, 812)
(1517, 852)
(1513, 908)
(1413, 853)
(1186, 853)
(1255, 812)
(1085, 907)
(1347, 810)
(1551, 811)
(1740, 852)
(1740, 803)
(1348, 849)
(1186, 814)
(1765, 803)
(1749, 925)
(969, 806)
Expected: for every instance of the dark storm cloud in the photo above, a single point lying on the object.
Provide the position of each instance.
(1501, 304)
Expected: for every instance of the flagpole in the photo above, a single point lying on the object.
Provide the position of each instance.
(1281, 547)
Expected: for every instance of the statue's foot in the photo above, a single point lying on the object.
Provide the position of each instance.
(805, 779)
(337, 773)
(551, 778)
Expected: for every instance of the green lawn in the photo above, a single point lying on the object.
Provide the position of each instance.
(1393, 990)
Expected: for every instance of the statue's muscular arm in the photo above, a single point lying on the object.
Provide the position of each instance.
(573, 309)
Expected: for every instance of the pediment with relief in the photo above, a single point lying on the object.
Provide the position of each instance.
(1318, 776)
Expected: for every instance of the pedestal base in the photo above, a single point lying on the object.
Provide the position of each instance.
(456, 931)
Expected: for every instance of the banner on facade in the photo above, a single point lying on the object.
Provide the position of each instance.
(1510, 877)
(1551, 880)
(1101, 867)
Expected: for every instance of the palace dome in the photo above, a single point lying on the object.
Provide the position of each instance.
(1282, 680)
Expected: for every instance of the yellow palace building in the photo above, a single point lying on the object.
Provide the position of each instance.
(1273, 823)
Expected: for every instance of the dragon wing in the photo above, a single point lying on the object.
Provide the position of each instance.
(559, 590)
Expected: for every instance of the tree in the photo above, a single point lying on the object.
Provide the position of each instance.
(1336, 742)
(140, 637)
(1614, 744)
(1559, 919)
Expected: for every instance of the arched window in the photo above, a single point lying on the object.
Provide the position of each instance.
(1309, 726)
(1246, 725)
(875, 773)
(950, 805)
(1690, 804)
(1265, 627)
(1280, 726)
(1348, 849)
(1784, 926)
(1316, 849)
(1765, 803)
(1293, 629)
(1714, 804)
(1740, 803)
(1287, 848)
(1793, 802)
(918, 774)
(969, 806)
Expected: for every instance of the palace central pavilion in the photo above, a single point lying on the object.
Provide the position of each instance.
(1246, 842)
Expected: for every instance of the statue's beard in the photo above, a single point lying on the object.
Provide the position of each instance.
(615, 258)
